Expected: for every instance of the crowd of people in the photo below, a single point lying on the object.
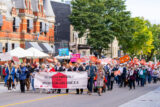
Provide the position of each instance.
(100, 77)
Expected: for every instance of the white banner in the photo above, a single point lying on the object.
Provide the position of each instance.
(61, 80)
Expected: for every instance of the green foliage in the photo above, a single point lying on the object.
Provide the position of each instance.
(138, 39)
(103, 19)
(156, 42)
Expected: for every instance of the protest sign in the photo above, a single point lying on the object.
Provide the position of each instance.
(75, 57)
(61, 80)
(117, 72)
(5, 57)
(63, 52)
(124, 59)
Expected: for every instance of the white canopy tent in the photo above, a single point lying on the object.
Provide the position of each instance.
(35, 53)
(19, 52)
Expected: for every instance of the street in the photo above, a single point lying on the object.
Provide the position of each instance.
(118, 97)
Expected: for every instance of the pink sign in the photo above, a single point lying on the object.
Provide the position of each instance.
(75, 57)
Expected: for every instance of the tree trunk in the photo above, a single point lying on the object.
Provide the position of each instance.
(100, 53)
(150, 56)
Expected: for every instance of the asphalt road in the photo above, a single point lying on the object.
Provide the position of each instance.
(113, 98)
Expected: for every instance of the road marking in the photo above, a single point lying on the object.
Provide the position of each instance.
(29, 101)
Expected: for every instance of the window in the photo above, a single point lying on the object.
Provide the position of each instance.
(6, 47)
(84, 53)
(14, 22)
(28, 30)
(13, 46)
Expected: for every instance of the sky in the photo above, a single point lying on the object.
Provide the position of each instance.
(149, 9)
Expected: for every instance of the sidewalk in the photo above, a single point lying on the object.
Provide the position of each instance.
(151, 99)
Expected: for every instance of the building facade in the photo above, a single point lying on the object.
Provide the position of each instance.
(114, 50)
(26, 23)
(62, 26)
(79, 45)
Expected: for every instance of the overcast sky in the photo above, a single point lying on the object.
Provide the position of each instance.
(149, 9)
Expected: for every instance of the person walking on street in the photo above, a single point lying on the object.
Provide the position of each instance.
(80, 69)
(91, 69)
(100, 79)
(22, 77)
(155, 75)
(149, 73)
(28, 76)
(131, 76)
(123, 76)
(10, 71)
(112, 78)
(4, 74)
(33, 72)
(142, 75)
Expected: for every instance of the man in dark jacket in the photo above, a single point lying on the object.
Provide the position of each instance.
(91, 69)
(28, 76)
(22, 77)
(123, 77)
(61, 68)
(79, 68)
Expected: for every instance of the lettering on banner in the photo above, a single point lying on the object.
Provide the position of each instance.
(61, 80)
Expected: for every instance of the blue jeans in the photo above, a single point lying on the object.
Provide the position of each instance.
(32, 83)
(90, 84)
(142, 81)
(149, 78)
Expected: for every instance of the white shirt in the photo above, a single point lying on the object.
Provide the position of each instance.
(121, 69)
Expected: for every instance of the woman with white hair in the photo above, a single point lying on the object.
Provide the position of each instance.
(100, 79)
(51, 68)
(155, 75)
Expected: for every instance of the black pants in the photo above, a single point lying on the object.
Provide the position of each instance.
(22, 85)
(112, 85)
(138, 81)
(67, 90)
(90, 84)
(59, 91)
(81, 90)
(10, 83)
(109, 84)
(123, 82)
(131, 84)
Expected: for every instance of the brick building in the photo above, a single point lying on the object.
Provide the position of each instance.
(26, 23)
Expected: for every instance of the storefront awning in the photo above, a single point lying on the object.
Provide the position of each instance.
(32, 44)
(46, 47)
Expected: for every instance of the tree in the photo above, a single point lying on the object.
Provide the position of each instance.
(103, 19)
(156, 42)
(138, 38)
